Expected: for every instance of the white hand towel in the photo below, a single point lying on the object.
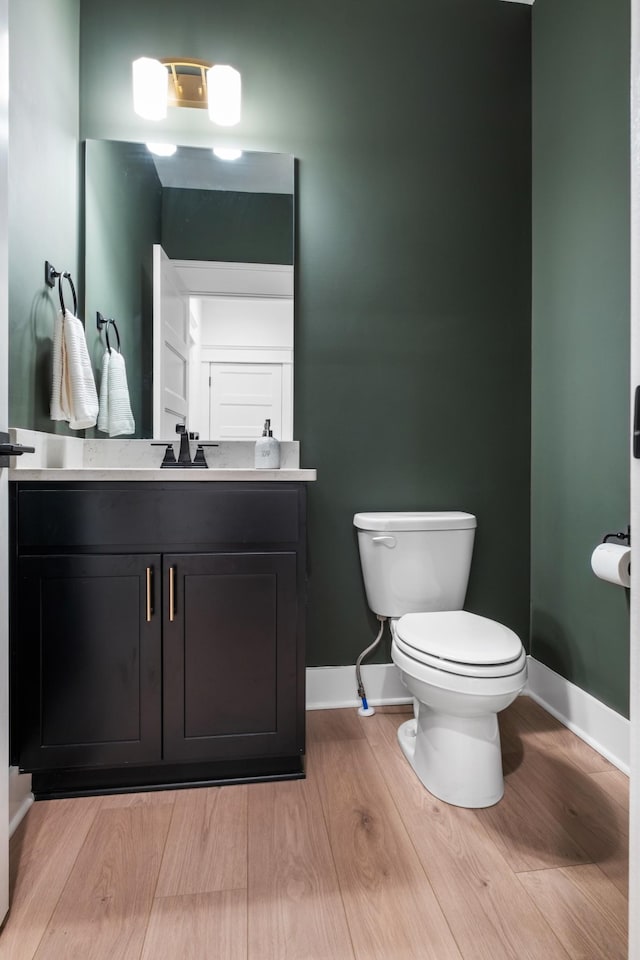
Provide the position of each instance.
(115, 417)
(57, 413)
(103, 416)
(73, 396)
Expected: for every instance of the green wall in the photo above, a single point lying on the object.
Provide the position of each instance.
(123, 199)
(43, 193)
(411, 125)
(580, 459)
(411, 128)
(227, 225)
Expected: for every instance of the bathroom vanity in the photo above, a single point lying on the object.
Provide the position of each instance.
(157, 629)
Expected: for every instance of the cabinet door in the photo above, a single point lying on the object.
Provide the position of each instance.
(230, 655)
(89, 661)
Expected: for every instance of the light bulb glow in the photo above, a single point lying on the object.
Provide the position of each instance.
(224, 86)
(150, 88)
(162, 149)
(227, 153)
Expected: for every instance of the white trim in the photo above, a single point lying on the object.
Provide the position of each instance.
(4, 485)
(248, 354)
(217, 278)
(20, 797)
(634, 638)
(156, 402)
(594, 722)
(331, 687)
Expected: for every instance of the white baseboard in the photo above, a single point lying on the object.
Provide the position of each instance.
(332, 687)
(20, 797)
(593, 721)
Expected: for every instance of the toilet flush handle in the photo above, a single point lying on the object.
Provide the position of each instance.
(389, 542)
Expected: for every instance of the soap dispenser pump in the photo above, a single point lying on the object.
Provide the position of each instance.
(267, 449)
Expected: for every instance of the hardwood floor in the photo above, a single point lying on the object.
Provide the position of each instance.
(357, 862)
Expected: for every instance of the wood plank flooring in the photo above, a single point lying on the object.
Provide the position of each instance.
(357, 862)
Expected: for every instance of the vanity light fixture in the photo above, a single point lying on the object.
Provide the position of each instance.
(225, 92)
(162, 149)
(186, 83)
(227, 153)
(150, 89)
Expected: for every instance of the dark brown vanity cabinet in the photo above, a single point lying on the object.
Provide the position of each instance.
(88, 661)
(229, 647)
(157, 633)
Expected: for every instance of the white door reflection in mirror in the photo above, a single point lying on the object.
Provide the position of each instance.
(240, 351)
(170, 347)
(241, 397)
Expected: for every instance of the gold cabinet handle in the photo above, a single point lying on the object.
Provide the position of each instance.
(149, 594)
(172, 594)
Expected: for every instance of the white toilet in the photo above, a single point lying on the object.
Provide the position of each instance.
(460, 668)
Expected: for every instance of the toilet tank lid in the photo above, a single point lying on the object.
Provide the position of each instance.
(415, 520)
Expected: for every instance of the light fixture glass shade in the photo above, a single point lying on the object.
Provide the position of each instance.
(227, 153)
(162, 149)
(224, 86)
(150, 88)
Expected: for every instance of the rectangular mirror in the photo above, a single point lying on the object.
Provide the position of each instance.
(192, 256)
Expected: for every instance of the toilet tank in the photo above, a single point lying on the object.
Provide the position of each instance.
(415, 562)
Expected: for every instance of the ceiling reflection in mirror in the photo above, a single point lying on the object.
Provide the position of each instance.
(192, 256)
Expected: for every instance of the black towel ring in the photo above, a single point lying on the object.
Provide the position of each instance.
(106, 331)
(65, 275)
(103, 322)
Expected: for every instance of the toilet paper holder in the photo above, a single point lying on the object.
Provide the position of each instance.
(620, 537)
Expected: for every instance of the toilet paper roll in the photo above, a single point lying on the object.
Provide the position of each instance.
(612, 562)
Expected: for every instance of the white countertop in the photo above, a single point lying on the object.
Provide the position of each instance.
(60, 458)
(150, 473)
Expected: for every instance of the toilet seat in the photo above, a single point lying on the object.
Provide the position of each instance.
(481, 685)
(459, 643)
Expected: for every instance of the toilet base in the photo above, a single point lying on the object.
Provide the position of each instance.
(458, 759)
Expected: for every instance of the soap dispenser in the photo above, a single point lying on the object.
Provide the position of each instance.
(267, 449)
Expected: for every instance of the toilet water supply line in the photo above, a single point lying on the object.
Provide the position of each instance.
(365, 710)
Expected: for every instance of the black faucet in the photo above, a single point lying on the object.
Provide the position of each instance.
(184, 457)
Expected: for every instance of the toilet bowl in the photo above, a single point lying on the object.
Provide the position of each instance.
(453, 743)
(460, 668)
